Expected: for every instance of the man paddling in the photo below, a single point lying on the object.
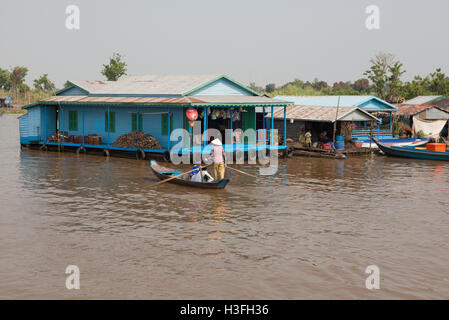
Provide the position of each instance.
(218, 155)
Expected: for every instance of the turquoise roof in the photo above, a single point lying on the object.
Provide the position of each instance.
(368, 103)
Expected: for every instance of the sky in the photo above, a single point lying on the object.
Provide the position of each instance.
(249, 40)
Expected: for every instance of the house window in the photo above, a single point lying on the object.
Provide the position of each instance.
(106, 122)
(164, 123)
(134, 122)
(73, 120)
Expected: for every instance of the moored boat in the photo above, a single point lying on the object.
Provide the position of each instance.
(412, 142)
(412, 152)
(165, 173)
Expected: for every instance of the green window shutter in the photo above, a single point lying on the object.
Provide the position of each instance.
(134, 122)
(140, 122)
(164, 124)
(112, 126)
(73, 120)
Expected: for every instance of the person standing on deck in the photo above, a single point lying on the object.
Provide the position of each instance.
(218, 155)
(308, 137)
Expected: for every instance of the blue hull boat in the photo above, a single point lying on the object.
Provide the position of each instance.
(411, 152)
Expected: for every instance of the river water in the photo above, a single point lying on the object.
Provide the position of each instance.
(310, 231)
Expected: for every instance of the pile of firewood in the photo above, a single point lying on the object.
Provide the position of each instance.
(137, 139)
(57, 137)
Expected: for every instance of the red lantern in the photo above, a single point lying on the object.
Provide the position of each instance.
(192, 114)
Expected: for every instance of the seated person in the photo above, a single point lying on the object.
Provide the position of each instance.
(196, 175)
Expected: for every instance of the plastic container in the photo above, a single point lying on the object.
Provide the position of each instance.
(340, 145)
(438, 147)
(339, 138)
(327, 146)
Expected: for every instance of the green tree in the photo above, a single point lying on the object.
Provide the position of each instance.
(43, 83)
(23, 87)
(115, 69)
(378, 73)
(385, 73)
(362, 86)
(17, 77)
(394, 82)
(5, 79)
(255, 87)
(343, 88)
(439, 83)
(269, 88)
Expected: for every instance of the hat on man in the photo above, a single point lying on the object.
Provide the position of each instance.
(216, 142)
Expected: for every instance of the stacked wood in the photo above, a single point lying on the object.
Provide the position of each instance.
(93, 139)
(137, 139)
(57, 137)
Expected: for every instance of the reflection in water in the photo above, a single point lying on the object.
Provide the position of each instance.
(307, 232)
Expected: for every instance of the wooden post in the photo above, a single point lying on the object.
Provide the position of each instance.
(205, 124)
(231, 110)
(82, 110)
(335, 124)
(285, 125)
(62, 117)
(169, 127)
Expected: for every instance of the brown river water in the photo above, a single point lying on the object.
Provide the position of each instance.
(307, 232)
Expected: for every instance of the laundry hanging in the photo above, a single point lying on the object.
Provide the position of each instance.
(431, 128)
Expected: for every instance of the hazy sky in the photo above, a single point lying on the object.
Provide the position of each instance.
(249, 40)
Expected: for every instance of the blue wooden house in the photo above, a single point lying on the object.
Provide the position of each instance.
(154, 104)
(377, 107)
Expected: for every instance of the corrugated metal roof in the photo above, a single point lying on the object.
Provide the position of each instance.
(422, 99)
(167, 100)
(317, 113)
(326, 101)
(332, 101)
(147, 84)
(410, 109)
(237, 99)
(88, 99)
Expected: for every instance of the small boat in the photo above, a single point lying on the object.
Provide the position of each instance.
(164, 173)
(413, 142)
(411, 152)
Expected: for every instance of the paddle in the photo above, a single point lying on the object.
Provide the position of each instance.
(241, 171)
(178, 175)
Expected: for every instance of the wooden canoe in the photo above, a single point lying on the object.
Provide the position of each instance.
(164, 173)
(412, 152)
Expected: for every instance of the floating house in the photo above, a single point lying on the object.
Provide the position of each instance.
(378, 108)
(153, 104)
(318, 119)
(432, 120)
